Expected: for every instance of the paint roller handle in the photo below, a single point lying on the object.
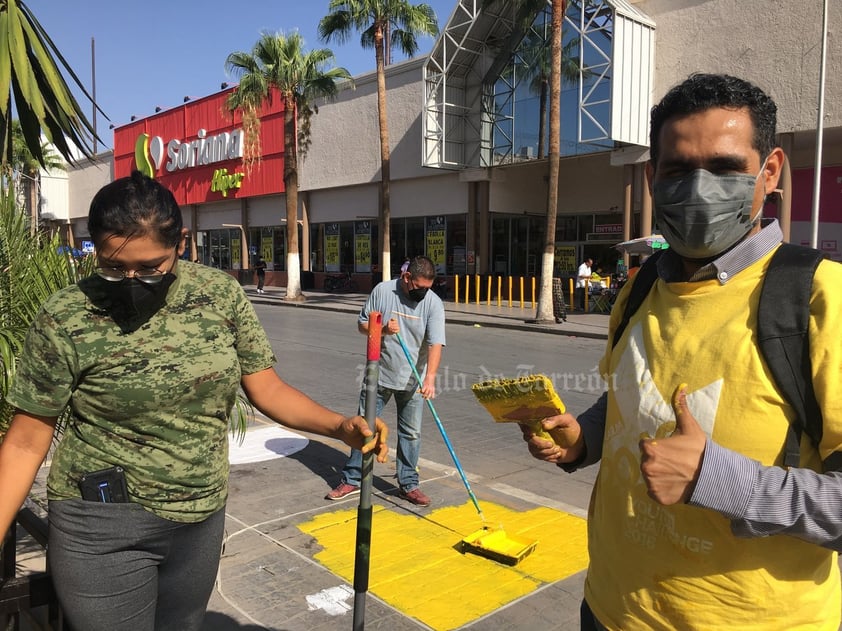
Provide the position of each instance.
(441, 429)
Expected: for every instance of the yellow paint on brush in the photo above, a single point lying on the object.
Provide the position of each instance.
(527, 400)
(417, 568)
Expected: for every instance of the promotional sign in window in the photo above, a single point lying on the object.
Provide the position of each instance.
(565, 258)
(266, 250)
(437, 242)
(332, 247)
(236, 260)
(362, 246)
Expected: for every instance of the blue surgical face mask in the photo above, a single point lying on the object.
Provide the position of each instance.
(701, 215)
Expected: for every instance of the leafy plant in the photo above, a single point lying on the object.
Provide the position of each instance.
(32, 267)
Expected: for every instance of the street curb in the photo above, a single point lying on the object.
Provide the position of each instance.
(460, 318)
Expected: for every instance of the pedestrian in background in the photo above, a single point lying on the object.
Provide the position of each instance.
(694, 521)
(260, 270)
(583, 277)
(148, 354)
(408, 307)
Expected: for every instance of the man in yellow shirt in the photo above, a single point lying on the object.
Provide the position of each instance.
(694, 521)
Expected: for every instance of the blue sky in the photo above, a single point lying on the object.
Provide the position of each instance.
(156, 52)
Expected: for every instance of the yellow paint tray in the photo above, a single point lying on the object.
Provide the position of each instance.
(497, 545)
(526, 400)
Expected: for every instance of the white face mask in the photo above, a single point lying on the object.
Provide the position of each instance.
(701, 215)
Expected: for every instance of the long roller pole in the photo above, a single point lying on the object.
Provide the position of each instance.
(362, 558)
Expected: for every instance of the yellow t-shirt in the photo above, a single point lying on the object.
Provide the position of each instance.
(680, 567)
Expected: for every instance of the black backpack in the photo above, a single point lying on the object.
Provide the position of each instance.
(782, 331)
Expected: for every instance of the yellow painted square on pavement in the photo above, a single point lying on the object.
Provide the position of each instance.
(416, 565)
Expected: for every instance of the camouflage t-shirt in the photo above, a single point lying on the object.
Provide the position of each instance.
(156, 401)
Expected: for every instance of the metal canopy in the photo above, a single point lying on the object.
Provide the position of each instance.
(471, 75)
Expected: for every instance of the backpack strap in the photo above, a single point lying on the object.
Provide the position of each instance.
(783, 321)
(641, 284)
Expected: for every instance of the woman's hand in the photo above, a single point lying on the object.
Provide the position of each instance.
(355, 432)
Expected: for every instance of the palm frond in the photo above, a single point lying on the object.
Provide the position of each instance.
(30, 73)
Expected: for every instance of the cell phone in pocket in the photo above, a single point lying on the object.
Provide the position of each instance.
(105, 485)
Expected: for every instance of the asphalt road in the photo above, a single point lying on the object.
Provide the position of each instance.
(322, 354)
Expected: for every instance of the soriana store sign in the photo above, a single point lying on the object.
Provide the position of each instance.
(196, 150)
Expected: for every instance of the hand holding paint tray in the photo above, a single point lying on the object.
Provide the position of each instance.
(525, 400)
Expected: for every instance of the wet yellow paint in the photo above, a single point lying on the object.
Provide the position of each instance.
(416, 566)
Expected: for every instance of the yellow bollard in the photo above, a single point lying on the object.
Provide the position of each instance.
(467, 287)
(499, 289)
(533, 292)
(476, 287)
(510, 290)
(456, 288)
(521, 291)
(572, 295)
(488, 292)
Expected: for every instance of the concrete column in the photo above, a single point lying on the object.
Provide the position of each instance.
(645, 209)
(629, 172)
(304, 249)
(484, 235)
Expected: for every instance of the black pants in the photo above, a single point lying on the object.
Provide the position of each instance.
(580, 298)
(260, 279)
(587, 621)
(118, 567)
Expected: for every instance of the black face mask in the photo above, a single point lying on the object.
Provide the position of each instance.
(130, 302)
(418, 293)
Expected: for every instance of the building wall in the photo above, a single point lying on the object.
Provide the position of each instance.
(587, 184)
(54, 195)
(84, 180)
(345, 147)
(774, 44)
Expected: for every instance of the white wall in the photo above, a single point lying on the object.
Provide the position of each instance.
(345, 147)
(444, 195)
(773, 44)
(343, 204)
(85, 179)
(586, 184)
(55, 195)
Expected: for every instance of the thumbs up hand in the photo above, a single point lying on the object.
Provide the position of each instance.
(670, 466)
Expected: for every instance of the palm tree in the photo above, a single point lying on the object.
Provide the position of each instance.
(43, 100)
(545, 301)
(536, 55)
(384, 24)
(279, 62)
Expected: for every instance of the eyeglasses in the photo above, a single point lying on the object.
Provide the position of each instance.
(148, 275)
(115, 274)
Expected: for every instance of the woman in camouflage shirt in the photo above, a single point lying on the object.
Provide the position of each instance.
(148, 354)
